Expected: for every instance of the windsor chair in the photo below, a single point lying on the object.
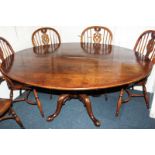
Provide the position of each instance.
(7, 54)
(97, 35)
(145, 51)
(6, 47)
(46, 36)
(100, 38)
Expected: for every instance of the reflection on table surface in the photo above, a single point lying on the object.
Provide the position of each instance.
(96, 48)
(45, 49)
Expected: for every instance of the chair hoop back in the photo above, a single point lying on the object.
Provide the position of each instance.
(97, 34)
(5, 67)
(145, 45)
(5, 48)
(45, 36)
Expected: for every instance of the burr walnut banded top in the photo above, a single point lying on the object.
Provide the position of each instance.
(75, 66)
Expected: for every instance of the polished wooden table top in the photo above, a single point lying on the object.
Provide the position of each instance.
(75, 66)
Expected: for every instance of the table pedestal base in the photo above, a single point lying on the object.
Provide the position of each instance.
(83, 98)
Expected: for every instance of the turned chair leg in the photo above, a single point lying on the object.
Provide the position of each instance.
(146, 97)
(132, 87)
(38, 102)
(20, 92)
(16, 118)
(11, 95)
(119, 103)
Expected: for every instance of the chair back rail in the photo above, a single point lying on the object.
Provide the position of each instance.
(6, 48)
(45, 36)
(145, 45)
(97, 34)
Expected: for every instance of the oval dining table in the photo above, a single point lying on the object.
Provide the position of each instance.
(75, 68)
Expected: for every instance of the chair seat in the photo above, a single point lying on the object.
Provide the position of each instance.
(4, 105)
(140, 83)
(19, 86)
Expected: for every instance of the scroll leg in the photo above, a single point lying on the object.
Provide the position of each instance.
(146, 96)
(60, 102)
(17, 119)
(38, 102)
(87, 103)
(119, 103)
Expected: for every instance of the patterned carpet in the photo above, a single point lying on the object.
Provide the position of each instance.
(133, 115)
